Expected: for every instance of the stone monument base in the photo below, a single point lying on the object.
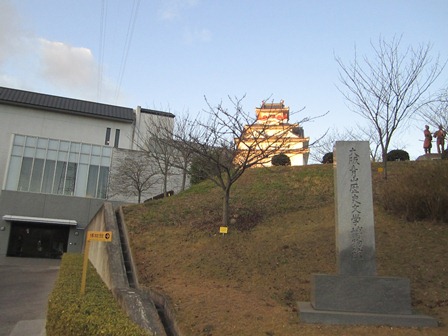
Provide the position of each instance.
(310, 315)
(426, 157)
(372, 300)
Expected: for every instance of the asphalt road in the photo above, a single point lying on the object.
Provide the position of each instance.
(25, 284)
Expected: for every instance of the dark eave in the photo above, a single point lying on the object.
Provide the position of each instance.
(159, 113)
(65, 105)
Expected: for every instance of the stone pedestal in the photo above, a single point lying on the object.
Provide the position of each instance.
(356, 295)
(310, 315)
(368, 294)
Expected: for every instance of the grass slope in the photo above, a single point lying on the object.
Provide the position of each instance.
(249, 281)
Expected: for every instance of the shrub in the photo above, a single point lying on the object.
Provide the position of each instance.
(281, 160)
(397, 155)
(197, 170)
(203, 168)
(419, 192)
(328, 158)
(445, 155)
(94, 313)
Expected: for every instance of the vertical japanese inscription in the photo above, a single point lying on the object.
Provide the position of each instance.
(357, 230)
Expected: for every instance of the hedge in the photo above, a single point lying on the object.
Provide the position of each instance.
(281, 160)
(94, 313)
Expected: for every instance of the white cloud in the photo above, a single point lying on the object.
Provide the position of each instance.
(37, 64)
(73, 71)
(65, 65)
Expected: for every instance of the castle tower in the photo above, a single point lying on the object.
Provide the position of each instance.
(272, 113)
(273, 118)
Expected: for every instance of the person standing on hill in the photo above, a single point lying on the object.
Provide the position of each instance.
(440, 136)
(427, 144)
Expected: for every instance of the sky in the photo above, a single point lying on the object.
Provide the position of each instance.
(170, 55)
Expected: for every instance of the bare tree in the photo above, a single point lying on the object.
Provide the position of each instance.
(183, 126)
(390, 88)
(157, 143)
(370, 134)
(326, 144)
(227, 145)
(134, 175)
(436, 113)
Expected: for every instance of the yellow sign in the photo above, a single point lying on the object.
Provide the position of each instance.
(105, 236)
(223, 229)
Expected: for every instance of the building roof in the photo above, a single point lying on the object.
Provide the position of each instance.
(159, 113)
(65, 105)
(273, 106)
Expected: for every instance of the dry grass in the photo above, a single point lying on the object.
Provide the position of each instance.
(248, 282)
(417, 192)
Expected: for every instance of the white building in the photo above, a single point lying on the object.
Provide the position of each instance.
(56, 154)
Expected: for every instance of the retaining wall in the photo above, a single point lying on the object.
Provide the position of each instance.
(107, 258)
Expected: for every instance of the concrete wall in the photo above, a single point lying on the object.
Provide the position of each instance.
(107, 258)
(48, 206)
(118, 182)
(147, 123)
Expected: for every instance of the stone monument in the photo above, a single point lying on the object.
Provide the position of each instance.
(357, 295)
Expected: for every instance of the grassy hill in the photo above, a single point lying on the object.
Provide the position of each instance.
(248, 281)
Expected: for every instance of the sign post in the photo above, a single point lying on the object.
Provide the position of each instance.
(223, 230)
(102, 236)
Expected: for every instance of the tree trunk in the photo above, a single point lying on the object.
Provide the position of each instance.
(226, 208)
(165, 183)
(184, 177)
(385, 165)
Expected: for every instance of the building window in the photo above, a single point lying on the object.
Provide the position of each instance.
(25, 174)
(107, 141)
(117, 138)
(58, 167)
(92, 182)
